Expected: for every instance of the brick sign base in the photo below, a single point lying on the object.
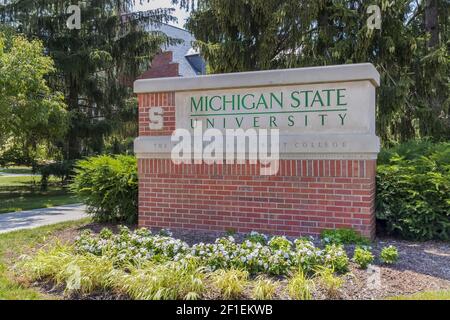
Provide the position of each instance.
(305, 197)
(328, 183)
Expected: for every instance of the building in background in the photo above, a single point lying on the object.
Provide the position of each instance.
(179, 60)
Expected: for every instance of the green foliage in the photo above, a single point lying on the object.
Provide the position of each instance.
(330, 282)
(389, 255)
(413, 191)
(264, 289)
(256, 237)
(363, 257)
(335, 258)
(87, 273)
(32, 116)
(411, 55)
(14, 244)
(414, 149)
(167, 281)
(231, 283)
(81, 273)
(300, 287)
(141, 246)
(343, 236)
(438, 295)
(142, 265)
(280, 243)
(60, 169)
(108, 185)
(95, 65)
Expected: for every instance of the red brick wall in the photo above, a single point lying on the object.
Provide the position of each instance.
(305, 197)
(162, 66)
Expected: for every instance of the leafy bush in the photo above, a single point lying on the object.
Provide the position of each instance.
(413, 191)
(363, 257)
(335, 258)
(389, 255)
(109, 187)
(280, 243)
(343, 236)
(308, 257)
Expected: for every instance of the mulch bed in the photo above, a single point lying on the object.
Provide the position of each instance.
(422, 266)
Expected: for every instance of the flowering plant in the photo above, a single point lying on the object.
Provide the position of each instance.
(256, 254)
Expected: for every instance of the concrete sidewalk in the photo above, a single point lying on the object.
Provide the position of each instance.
(40, 217)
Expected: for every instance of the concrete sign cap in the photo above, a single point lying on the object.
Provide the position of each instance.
(311, 75)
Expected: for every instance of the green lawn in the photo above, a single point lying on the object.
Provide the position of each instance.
(429, 295)
(21, 202)
(21, 181)
(12, 245)
(17, 169)
(23, 193)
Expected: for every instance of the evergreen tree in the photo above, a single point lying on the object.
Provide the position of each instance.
(95, 64)
(411, 51)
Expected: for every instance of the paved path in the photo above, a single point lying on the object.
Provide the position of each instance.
(40, 217)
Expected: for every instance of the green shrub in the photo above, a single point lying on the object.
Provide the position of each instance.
(389, 255)
(413, 191)
(335, 258)
(109, 187)
(343, 236)
(363, 257)
(280, 243)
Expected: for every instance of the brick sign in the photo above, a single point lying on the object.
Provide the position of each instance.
(327, 148)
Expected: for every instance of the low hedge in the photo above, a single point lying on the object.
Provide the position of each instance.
(109, 187)
(413, 190)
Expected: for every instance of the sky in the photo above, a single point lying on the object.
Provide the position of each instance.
(180, 14)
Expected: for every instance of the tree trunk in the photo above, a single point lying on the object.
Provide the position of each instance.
(324, 27)
(73, 143)
(431, 22)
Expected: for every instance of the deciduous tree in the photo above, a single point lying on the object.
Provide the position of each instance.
(31, 114)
